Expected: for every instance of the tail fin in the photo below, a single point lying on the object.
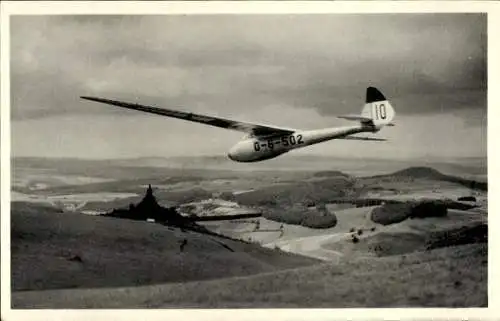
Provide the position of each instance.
(376, 113)
(377, 109)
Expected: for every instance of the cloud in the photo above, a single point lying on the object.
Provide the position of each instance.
(309, 61)
(289, 70)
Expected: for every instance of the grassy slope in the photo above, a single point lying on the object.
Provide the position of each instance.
(118, 252)
(437, 278)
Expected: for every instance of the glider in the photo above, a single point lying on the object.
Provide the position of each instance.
(263, 142)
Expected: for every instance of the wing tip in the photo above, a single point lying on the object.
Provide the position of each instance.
(104, 100)
(89, 98)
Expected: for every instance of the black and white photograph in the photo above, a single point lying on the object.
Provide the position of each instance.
(247, 160)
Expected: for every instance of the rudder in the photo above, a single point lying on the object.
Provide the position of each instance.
(377, 108)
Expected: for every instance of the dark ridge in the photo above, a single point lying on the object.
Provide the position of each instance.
(431, 173)
(419, 172)
(330, 174)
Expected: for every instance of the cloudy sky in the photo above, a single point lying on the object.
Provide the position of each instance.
(295, 71)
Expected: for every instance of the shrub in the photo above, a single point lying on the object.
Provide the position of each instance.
(355, 239)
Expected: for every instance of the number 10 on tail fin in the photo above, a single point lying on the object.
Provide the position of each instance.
(377, 108)
(377, 111)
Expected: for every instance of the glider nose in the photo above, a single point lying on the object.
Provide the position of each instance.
(236, 153)
(232, 154)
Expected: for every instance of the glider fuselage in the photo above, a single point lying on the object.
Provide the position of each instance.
(261, 148)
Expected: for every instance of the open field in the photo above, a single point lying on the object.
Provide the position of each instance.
(63, 259)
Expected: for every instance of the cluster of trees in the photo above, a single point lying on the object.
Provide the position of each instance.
(392, 213)
(318, 217)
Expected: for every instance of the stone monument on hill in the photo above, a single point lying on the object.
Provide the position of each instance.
(149, 205)
(148, 208)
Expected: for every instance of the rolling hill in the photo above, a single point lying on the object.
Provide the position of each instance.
(432, 174)
(53, 250)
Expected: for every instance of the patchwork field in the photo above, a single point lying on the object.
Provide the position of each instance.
(324, 238)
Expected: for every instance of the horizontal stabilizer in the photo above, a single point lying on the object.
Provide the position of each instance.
(364, 138)
(355, 117)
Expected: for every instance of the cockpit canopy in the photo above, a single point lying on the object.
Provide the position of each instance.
(249, 136)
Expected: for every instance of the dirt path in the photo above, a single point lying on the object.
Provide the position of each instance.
(311, 246)
(298, 239)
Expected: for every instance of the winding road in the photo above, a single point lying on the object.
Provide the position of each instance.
(311, 246)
